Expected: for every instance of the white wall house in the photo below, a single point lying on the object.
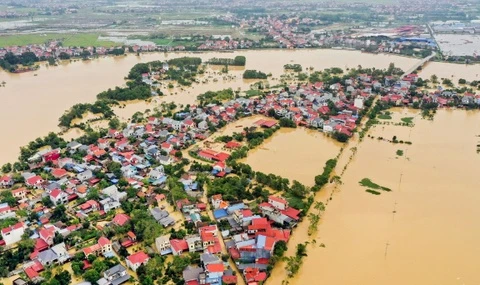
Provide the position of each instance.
(13, 234)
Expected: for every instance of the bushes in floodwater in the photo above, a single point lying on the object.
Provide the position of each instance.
(366, 182)
(322, 179)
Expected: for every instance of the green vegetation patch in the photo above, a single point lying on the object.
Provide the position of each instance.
(237, 61)
(372, 192)
(294, 67)
(399, 152)
(216, 96)
(385, 116)
(366, 182)
(80, 40)
(254, 74)
(407, 120)
(252, 93)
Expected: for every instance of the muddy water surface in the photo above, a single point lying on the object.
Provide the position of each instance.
(451, 71)
(297, 154)
(423, 232)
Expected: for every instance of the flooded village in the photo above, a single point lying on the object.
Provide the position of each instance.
(220, 191)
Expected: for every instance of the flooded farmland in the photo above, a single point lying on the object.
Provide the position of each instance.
(297, 154)
(422, 232)
(451, 71)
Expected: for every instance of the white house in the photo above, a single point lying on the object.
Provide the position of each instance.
(20, 193)
(58, 197)
(278, 202)
(13, 234)
(6, 181)
(163, 244)
(115, 275)
(112, 191)
(109, 204)
(216, 201)
(6, 211)
(86, 175)
(358, 103)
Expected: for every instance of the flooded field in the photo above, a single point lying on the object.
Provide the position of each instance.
(422, 232)
(33, 102)
(297, 154)
(452, 71)
(458, 44)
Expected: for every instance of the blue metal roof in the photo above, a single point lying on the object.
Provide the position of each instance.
(220, 213)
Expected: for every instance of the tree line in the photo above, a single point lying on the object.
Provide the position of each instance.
(237, 61)
(254, 74)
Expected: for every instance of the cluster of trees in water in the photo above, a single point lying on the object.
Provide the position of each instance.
(337, 75)
(239, 60)
(183, 70)
(10, 60)
(134, 91)
(295, 67)
(322, 179)
(52, 139)
(215, 97)
(77, 111)
(254, 74)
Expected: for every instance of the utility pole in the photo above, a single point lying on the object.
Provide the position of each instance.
(386, 249)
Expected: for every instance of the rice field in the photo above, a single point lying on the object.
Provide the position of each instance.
(88, 39)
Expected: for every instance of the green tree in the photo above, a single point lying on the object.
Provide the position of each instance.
(240, 60)
(7, 167)
(287, 123)
(91, 276)
(64, 277)
(114, 123)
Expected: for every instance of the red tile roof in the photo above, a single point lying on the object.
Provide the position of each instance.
(215, 267)
(103, 241)
(11, 228)
(232, 144)
(59, 172)
(277, 199)
(139, 257)
(34, 180)
(179, 244)
(37, 266)
(55, 193)
(40, 244)
(229, 279)
(121, 219)
(292, 213)
(32, 274)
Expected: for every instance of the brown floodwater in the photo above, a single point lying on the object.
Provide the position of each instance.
(297, 154)
(451, 71)
(31, 105)
(423, 232)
